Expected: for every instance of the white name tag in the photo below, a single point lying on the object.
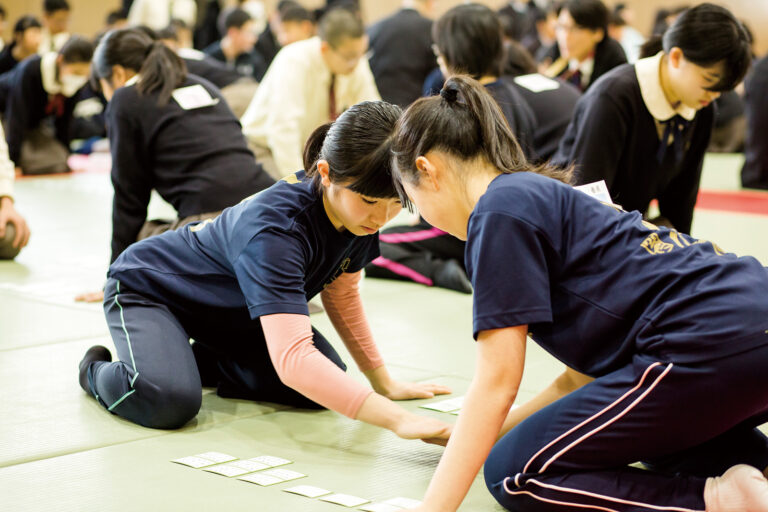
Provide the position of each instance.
(194, 96)
(598, 190)
(536, 82)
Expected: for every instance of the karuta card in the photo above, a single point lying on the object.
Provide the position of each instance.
(216, 457)
(270, 460)
(345, 500)
(260, 479)
(194, 462)
(379, 507)
(308, 490)
(403, 502)
(283, 474)
(228, 470)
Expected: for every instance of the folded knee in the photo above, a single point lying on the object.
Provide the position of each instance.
(172, 408)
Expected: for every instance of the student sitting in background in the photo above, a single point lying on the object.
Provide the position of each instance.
(552, 101)
(14, 232)
(468, 39)
(289, 23)
(39, 108)
(644, 128)
(401, 52)
(754, 174)
(584, 51)
(55, 26)
(235, 49)
(157, 14)
(308, 84)
(26, 41)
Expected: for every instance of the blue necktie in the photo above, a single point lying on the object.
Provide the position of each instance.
(674, 127)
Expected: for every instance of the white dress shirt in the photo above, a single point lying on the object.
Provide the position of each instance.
(157, 14)
(293, 99)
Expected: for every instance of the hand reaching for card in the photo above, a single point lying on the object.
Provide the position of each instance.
(413, 426)
(397, 390)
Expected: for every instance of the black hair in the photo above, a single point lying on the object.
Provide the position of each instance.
(519, 61)
(357, 149)
(115, 16)
(589, 14)
(236, 18)
(77, 49)
(160, 68)
(296, 14)
(51, 6)
(339, 24)
(464, 121)
(283, 4)
(26, 22)
(3, 14)
(168, 33)
(708, 35)
(469, 38)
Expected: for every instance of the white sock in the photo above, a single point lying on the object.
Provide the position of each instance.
(741, 489)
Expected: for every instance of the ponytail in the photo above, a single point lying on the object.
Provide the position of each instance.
(162, 71)
(160, 68)
(651, 47)
(467, 123)
(313, 147)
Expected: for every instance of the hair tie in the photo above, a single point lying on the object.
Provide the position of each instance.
(449, 94)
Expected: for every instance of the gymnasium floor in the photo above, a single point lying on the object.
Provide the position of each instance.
(60, 451)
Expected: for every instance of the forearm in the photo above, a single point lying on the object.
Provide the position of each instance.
(473, 437)
(564, 384)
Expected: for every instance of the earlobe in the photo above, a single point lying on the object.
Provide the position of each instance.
(427, 171)
(323, 170)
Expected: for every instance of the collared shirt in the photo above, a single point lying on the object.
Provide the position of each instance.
(157, 14)
(649, 78)
(48, 71)
(585, 67)
(51, 43)
(293, 100)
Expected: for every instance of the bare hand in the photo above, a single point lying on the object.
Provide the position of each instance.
(8, 214)
(91, 297)
(413, 426)
(397, 390)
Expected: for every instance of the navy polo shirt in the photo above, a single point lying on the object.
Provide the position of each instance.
(270, 253)
(597, 285)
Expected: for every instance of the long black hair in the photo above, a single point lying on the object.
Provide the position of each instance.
(357, 149)
(463, 121)
(708, 34)
(160, 69)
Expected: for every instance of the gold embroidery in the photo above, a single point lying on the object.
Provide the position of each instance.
(654, 245)
(291, 178)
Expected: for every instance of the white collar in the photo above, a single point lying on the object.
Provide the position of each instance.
(649, 77)
(48, 72)
(132, 81)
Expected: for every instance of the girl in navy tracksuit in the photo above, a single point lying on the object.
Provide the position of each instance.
(644, 128)
(665, 337)
(239, 285)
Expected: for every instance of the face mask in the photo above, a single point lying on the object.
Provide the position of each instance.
(70, 84)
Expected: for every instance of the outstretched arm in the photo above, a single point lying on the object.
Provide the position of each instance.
(344, 306)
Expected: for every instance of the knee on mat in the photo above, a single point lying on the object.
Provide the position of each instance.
(7, 250)
(498, 467)
(174, 408)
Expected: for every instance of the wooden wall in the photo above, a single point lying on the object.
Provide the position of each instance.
(88, 15)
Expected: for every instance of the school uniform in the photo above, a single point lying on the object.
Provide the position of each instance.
(427, 255)
(401, 55)
(157, 14)
(754, 174)
(212, 281)
(298, 94)
(624, 131)
(51, 42)
(552, 103)
(607, 55)
(673, 329)
(194, 156)
(38, 117)
(248, 64)
(7, 60)
(205, 66)
(267, 45)
(519, 17)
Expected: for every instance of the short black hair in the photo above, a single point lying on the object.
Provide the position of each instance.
(26, 22)
(589, 14)
(339, 24)
(469, 38)
(708, 35)
(51, 6)
(236, 18)
(115, 16)
(77, 49)
(296, 13)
